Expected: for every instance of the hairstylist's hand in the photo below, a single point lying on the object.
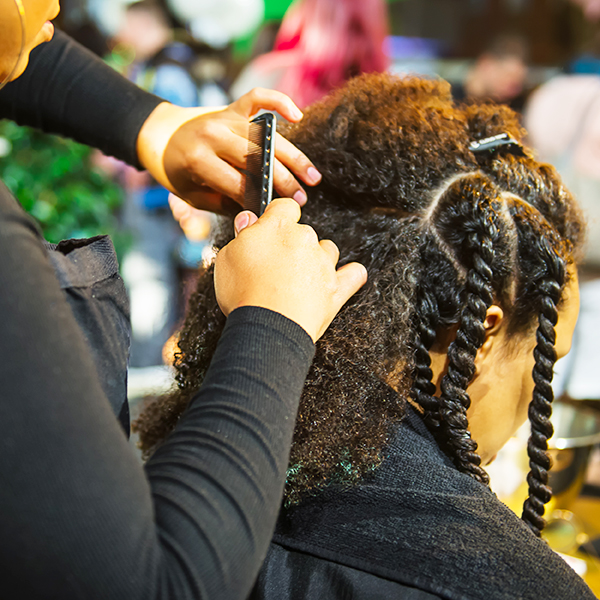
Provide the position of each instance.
(278, 264)
(197, 153)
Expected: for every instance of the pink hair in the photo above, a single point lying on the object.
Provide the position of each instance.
(331, 41)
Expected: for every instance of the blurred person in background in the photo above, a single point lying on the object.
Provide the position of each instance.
(320, 45)
(161, 66)
(563, 120)
(591, 8)
(499, 73)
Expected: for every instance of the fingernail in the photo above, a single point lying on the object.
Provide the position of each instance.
(300, 197)
(365, 273)
(297, 113)
(313, 175)
(241, 221)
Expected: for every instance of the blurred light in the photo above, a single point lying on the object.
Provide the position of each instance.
(5, 147)
(217, 22)
(413, 47)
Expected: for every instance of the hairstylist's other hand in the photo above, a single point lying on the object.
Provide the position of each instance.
(278, 264)
(197, 153)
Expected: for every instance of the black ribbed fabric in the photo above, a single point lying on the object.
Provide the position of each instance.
(69, 91)
(79, 517)
(417, 528)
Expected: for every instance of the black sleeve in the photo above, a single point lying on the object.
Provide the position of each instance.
(79, 517)
(69, 91)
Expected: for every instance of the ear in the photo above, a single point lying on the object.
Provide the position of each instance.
(493, 321)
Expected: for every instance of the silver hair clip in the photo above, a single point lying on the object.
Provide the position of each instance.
(492, 144)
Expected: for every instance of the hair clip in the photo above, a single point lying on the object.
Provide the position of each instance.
(497, 142)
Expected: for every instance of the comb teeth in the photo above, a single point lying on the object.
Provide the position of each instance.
(259, 168)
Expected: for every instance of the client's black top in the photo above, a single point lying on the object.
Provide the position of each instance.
(80, 518)
(416, 529)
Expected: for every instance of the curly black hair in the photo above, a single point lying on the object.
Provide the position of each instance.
(444, 233)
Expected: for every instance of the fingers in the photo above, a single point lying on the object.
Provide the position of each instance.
(288, 158)
(282, 208)
(232, 145)
(351, 278)
(220, 177)
(233, 149)
(242, 220)
(296, 161)
(331, 249)
(180, 208)
(289, 162)
(259, 98)
(286, 185)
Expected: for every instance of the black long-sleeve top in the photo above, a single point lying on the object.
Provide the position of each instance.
(69, 91)
(80, 518)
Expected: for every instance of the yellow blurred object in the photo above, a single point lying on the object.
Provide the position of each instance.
(170, 348)
(566, 530)
(587, 513)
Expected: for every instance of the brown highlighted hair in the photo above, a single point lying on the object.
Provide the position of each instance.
(443, 233)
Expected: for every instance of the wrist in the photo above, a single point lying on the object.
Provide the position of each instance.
(266, 317)
(302, 318)
(155, 134)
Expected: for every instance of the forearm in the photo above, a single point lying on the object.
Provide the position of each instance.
(237, 432)
(78, 517)
(69, 91)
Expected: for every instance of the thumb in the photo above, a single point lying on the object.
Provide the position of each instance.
(351, 278)
(243, 220)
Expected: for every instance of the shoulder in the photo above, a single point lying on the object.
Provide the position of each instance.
(419, 522)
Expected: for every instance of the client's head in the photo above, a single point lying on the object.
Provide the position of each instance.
(471, 263)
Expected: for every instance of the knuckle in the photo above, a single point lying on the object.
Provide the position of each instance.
(309, 234)
(332, 245)
(296, 157)
(193, 161)
(286, 179)
(200, 126)
(255, 94)
(212, 131)
(283, 211)
(294, 153)
(277, 204)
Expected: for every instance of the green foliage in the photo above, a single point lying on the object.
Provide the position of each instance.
(53, 180)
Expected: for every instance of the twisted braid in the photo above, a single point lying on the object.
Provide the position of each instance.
(540, 409)
(423, 388)
(454, 398)
(467, 218)
(544, 249)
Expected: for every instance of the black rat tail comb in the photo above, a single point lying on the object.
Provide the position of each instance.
(258, 192)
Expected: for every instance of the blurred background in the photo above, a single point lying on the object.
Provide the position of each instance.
(542, 57)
